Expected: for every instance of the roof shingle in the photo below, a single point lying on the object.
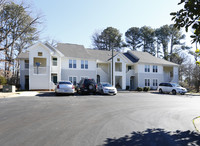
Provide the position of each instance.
(145, 57)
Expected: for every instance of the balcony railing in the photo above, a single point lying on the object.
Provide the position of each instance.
(40, 70)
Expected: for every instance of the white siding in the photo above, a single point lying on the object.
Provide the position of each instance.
(65, 64)
(39, 81)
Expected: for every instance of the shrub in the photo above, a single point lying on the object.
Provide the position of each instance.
(146, 89)
(3, 80)
(139, 89)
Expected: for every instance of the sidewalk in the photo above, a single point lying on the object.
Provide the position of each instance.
(16, 94)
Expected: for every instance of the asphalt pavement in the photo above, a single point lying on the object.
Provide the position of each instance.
(94, 120)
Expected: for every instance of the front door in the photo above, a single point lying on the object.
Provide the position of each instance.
(26, 82)
(131, 83)
(55, 79)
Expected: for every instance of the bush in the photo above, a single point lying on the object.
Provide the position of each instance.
(139, 89)
(146, 89)
(3, 80)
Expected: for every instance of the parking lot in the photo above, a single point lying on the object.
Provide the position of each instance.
(89, 120)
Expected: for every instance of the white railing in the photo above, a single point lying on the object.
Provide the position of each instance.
(101, 71)
(130, 72)
(52, 85)
(40, 70)
(54, 69)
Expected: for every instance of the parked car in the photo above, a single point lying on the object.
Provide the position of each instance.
(64, 87)
(171, 87)
(106, 88)
(86, 86)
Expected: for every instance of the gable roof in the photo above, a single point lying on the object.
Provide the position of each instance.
(78, 51)
(73, 50)
(144, 57)
(101, 55)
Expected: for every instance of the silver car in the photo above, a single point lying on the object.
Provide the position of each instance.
(65, 87)
(171, 87)
(106, 88)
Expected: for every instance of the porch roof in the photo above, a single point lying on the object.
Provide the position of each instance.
(23, 55)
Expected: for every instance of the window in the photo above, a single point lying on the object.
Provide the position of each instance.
(147, 82)
(129, 68)
(73, 80)
(54, 61)
(39, 53)
(84, 77)
(82, 64)
(155, 68)
(74, 63)
(70, 63)
(147, 68)
(54, 78)
(155, 82)
(118, 59)
(86, 64)
(70, 79)
(26, 64)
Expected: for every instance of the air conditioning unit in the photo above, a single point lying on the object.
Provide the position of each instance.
(9, 88)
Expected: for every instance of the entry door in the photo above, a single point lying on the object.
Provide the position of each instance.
(26, 82)
(55, 79)
(131, 83)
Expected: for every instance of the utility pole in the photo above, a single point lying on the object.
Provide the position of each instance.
(112, 66)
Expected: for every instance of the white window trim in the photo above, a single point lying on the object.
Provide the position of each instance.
(26, 64)
(73, 79)
(74, 60)
(83, 77)
(147, 82)
(84, 64)
(152, 82)
(71, 63)
(153, 69)
(54, 61)
(148, 68)
(87, 64)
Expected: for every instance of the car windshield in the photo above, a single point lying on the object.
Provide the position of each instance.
(106, 85)
(176, 85)
(69, 83)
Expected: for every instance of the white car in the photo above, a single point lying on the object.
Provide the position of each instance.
(64, 87)
(171, 87)
(106, 88)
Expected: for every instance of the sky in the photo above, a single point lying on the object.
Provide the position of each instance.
(75, 21)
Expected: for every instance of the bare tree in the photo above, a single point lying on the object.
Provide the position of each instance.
(17, 29)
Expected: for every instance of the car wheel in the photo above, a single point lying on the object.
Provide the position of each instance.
(79, 92)
(174, 92)
(90, 87)
(102, 91)
(160, 91)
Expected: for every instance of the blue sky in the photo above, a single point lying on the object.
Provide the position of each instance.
(75, 21)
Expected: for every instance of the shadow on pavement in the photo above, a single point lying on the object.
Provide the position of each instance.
(156, 137)
(52, 94)
(42, 94)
